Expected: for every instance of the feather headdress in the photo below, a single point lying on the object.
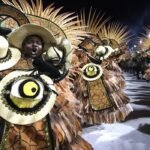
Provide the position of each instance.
(64, 24)
(94, 21)
(145, 39)
(115, 31)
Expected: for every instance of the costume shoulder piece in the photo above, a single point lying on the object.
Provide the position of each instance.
(61, 24)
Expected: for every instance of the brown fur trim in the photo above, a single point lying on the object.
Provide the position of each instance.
(80, 144)
(119, 99)
(65, 126)
(113, 81)
(106, 116)
(114, 67)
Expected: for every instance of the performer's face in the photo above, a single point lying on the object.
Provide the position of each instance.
(32, 46)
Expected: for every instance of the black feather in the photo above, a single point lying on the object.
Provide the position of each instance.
(45, 67)
(4, 31)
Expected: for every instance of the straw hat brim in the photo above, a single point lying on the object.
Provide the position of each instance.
(15, 117)
(14, 58)
(16, 37)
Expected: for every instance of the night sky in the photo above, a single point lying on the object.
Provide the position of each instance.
(134, 13)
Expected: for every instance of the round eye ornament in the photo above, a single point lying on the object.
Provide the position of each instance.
(103, 52)
(91, 72)
(26, 92)
(26, 98)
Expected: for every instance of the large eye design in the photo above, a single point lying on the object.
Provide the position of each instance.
(103, 52)
(26, 97)
(29, 88)
(91, 72)
(26, 93)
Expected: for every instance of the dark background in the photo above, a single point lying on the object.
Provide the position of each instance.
(133, 13)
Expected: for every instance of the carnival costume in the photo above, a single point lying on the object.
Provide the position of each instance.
(99, 82)
(37, 111)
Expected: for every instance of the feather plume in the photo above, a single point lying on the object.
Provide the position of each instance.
(115, 31)
(67, 22)
(94, 21)
(112, 81)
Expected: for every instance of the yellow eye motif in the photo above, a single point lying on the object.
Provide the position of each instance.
(29, 88)
(26, 92)
(91, 72)
(26, 97)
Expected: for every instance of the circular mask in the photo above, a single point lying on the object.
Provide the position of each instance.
(91, 72)
(26, 98)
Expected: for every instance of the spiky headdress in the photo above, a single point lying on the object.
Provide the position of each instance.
(145, 39)
(94, 21)
(64, 24)
(116, 32)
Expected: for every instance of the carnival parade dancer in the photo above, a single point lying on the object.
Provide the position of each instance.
(36, 112)
(99, 82)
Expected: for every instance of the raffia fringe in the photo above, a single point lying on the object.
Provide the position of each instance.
(113, 82)
(106, 116)
(119, 99)
(114, 67)
(80, 144)
(66, 127)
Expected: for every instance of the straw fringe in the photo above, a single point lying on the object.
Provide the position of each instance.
(113, 67)
(118, 112)
(66, 128)
(106, 116)
(80, 144)
(113, 81)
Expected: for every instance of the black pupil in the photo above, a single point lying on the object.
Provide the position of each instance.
(33, 89)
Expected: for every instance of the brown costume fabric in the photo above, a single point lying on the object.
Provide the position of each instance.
(64, 125)
(113, 82)
(27, 137)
